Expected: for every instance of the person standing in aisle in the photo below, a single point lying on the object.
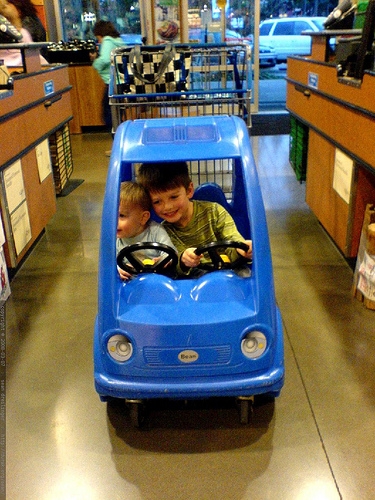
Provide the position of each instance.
(109, 39)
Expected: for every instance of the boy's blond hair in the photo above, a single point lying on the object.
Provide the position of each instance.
(135, 194)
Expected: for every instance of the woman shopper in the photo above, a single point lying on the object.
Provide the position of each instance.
(109, 39)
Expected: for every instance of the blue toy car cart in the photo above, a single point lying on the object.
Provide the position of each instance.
(218, 335)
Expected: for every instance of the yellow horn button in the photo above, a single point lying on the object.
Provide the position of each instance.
(148, 262)
(225, 258)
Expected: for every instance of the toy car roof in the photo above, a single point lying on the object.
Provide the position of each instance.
(213, 137)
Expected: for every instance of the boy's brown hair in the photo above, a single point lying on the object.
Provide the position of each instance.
(135, 194)
(159, 177)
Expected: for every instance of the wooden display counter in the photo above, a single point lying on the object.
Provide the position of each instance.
(340, 115)
(38, 105)
(87, 96)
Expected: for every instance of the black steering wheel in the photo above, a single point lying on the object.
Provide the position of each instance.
(164, 265)
(220, 261)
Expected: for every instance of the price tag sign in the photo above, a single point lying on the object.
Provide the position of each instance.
(313, 80)
(49, 87)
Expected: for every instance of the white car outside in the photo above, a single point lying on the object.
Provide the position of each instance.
(284, 35)
(267, 56)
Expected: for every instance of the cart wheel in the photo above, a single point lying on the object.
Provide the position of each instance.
(264, 399)
(246, 409)
(138, 414)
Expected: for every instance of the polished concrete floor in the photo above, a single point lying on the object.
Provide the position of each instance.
(317, 442)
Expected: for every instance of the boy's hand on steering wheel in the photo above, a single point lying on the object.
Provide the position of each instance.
(249, 253)
(190, 259)
(124, 275)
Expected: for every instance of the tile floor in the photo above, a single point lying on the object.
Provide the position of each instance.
(317, 442)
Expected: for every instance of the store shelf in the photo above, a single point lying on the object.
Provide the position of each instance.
(37, 107)
(61, 157)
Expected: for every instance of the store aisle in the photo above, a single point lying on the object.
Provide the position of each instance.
(317, 442)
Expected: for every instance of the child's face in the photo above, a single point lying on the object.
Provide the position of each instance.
(173, 205)
(132, 220)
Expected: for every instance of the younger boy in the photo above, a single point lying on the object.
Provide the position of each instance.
(134, 224)
(189, 223)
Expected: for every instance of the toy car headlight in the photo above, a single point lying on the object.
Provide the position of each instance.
(254, 344)
(119, 347)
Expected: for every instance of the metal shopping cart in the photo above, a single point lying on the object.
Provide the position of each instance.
(175, 80)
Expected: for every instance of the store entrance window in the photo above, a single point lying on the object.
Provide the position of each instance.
(241, 22)
(79, 16)
(205, 23)
(272, 29)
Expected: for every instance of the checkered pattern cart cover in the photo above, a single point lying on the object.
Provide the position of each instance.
(147, 70)
(180, 80)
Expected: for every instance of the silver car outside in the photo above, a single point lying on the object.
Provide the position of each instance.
(284, 35)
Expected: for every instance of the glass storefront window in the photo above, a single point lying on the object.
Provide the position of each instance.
(207, 21)
(206, 25)
(79, 17)
(242, 20)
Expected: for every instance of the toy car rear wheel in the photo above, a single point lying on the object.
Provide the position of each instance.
(263, 399)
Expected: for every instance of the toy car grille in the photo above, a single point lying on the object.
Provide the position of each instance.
(166, 356)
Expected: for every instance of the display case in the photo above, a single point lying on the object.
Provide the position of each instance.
(339, 112)
(37, 106)
(87, 95)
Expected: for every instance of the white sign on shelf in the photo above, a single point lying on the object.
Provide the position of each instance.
(343, 175)
(21, 228)
(17, 205)
(14, 186)
(43, 159)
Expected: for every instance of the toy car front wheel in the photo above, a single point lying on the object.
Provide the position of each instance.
(245, 406)
(138, 413)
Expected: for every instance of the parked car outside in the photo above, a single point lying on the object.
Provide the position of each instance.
(267, 55)
(284, 35)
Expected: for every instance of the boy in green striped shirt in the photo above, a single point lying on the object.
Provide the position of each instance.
(189, 223)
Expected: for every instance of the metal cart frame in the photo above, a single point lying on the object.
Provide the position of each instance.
(216, 79)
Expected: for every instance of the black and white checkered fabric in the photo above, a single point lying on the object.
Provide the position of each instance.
(143, 76)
